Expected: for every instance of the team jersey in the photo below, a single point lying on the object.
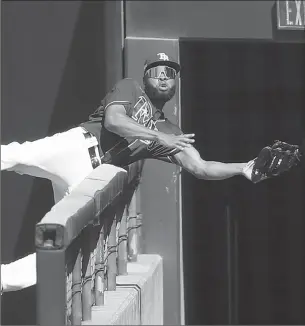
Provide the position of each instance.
(123, 151)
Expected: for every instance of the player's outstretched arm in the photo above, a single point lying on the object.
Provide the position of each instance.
(190, 160)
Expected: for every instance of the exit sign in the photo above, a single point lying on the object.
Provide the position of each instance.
(291, 14)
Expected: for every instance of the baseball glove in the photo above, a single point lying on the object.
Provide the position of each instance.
(275, 160)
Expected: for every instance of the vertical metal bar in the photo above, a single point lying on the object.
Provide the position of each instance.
(51, 287)
(139, 220)
(76, 290)
(99, 282)
(132, 229)
(69, 270)
(111, 259)
(122, 245)
(86, 267)
(138, 198)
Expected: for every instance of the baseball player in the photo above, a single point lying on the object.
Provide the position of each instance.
(129, 125)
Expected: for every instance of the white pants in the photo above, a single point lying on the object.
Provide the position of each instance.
(62, 158)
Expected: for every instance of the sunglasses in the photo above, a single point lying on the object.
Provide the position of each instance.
(161, 71)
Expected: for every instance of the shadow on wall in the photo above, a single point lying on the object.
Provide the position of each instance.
(81, 88)
(83, 82)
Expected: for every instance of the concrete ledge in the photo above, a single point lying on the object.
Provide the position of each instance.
(72, 214)
(121, 308)
(138, 299)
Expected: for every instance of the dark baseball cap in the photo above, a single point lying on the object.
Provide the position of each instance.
(161, 59)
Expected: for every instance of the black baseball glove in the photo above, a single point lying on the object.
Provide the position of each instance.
(274, 160)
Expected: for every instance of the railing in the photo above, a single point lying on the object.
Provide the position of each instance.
(84, 242)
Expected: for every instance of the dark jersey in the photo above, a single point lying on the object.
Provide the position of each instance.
(123, 151)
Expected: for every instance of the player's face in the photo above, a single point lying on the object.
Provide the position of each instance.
(160, 83)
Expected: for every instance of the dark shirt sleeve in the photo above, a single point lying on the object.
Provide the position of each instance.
(124, 93)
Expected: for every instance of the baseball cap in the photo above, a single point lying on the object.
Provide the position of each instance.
(160, 59)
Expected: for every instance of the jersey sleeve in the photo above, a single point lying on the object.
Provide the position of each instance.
(124, 93)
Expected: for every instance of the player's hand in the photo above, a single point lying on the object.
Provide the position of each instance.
(176, 141)
(273, 161)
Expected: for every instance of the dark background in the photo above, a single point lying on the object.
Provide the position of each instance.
(155, 22)
(237, 97)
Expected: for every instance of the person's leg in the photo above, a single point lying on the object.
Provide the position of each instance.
(63, 159)
(19, 274)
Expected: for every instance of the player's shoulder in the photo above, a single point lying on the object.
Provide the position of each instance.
(129, 83)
